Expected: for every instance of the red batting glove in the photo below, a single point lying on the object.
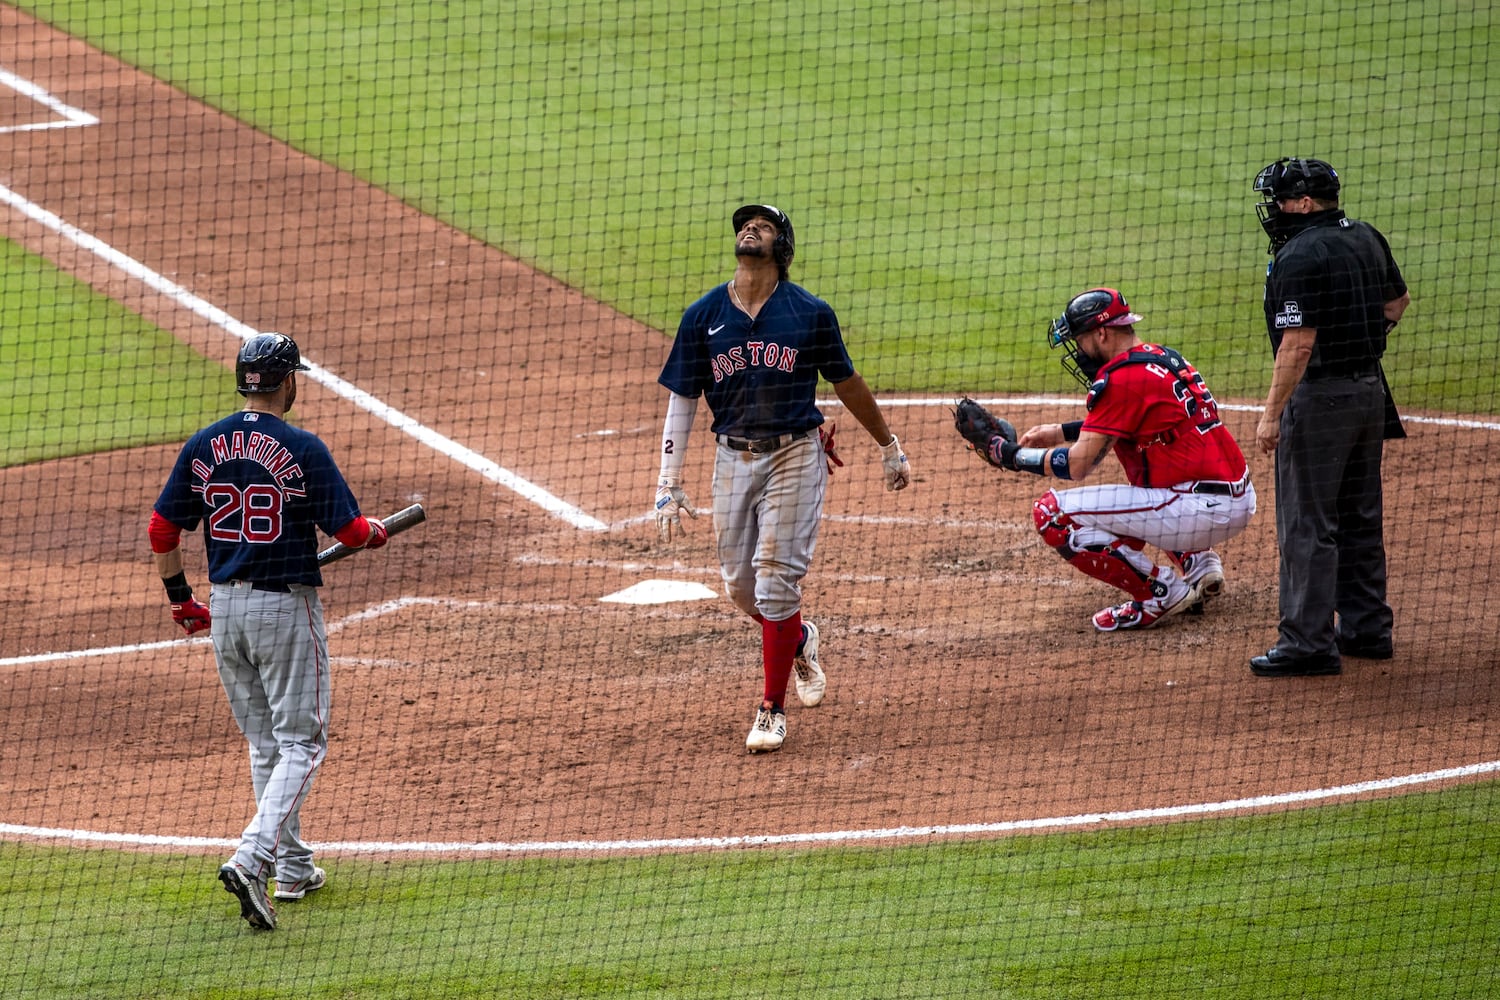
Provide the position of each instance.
(192, 615)
(830, 453)
(378, 535)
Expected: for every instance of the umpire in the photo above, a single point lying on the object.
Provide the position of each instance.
(1333, 293)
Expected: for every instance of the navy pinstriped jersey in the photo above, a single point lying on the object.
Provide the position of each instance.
(759, 376)
(262, 487)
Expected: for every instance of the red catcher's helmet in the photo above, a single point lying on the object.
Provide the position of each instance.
(1095, 308)
(1089, 311)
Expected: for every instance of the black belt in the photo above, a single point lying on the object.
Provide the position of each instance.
(1218, 487)
(760, 446)
(1349, 376)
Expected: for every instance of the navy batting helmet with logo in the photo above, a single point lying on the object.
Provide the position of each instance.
(265, 361)
(785, 246)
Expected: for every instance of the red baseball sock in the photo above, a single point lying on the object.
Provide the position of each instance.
(778, 647)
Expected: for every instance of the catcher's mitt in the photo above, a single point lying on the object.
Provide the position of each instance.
(980, 427)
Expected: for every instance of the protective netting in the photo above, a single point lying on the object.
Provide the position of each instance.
(482, 224)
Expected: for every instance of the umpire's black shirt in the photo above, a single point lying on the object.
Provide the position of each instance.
(1334, 277)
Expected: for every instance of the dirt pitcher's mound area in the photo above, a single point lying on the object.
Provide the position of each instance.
(484, 692)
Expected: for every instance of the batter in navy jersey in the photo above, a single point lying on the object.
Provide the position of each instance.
(755, 348)
(261, 489)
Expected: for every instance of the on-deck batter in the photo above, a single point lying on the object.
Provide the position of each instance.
(754, 349)
(262, 487)
(1189, 487)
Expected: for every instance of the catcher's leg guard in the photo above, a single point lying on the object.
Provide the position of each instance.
(1106, 562)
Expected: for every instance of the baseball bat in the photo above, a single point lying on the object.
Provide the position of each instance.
(407, 517)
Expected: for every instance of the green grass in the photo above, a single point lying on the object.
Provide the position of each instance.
(1316, 903)
(956, 171)
(79, 373)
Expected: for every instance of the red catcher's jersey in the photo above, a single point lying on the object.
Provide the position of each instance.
(1165, 421)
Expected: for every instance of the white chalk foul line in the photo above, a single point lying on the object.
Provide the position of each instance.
(375, 611)
(71, 117)
(897, 833)
(218, 317)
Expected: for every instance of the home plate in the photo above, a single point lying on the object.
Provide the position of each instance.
(660, 592)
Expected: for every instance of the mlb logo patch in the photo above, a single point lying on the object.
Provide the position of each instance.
(1290, 316)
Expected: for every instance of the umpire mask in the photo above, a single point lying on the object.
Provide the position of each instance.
(1292, 177)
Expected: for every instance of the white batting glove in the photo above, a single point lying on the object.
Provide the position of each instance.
(897, 468)
(671, 504)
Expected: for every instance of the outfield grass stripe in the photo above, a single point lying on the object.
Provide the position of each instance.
(492, 848)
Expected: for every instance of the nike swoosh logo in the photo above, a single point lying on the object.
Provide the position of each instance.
(715, 329)
(1210, 503)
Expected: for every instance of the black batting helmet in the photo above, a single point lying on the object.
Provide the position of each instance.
(785, 246)
(265, 361)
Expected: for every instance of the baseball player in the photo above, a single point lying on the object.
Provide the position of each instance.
(1189, 487)
(261, 487)
(754, 348)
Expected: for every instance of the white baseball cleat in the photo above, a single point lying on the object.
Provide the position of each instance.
(1204, 572)
(768, 733)
(812, 683)
(1178, 597)
(296, 890)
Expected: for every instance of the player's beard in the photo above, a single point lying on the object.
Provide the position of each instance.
(752, 250)
(291, 392)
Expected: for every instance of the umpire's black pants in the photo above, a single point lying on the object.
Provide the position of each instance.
(1329, 515)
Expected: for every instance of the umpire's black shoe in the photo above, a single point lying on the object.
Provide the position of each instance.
(1366, 647)
(1278, 664)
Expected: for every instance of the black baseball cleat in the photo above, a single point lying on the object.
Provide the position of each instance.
(255, 906)
(1275, 663)
(1366, 647)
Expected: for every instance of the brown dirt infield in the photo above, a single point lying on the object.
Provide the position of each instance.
(503, 702)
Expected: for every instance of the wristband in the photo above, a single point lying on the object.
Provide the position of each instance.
(1018, 459)
(1032, 460)
(1072, 429)
(178, 591)
(1059, 462)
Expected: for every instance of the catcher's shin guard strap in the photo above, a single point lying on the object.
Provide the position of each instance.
(1107, 565)
(1102, 562)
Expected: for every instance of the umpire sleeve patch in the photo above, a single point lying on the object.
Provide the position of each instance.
(1289, 317)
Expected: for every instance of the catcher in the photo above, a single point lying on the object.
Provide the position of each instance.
(1189, 487)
